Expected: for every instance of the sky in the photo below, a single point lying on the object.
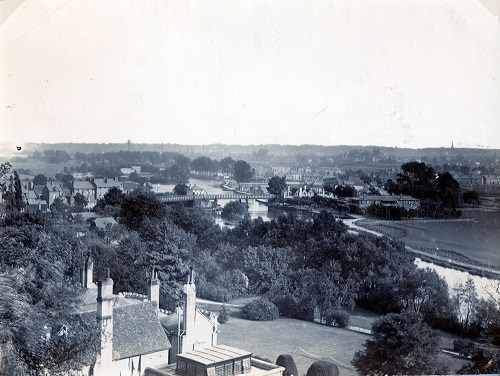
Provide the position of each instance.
(412, 73)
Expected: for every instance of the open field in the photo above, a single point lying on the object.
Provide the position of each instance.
(476, 235)
(40, 167)
(305, 341)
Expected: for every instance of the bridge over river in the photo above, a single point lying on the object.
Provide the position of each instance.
(214, 197)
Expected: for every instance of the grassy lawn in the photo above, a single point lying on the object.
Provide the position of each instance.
(305, 341)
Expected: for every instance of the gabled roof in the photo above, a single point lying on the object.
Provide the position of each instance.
(137, 331)
(82, 184)
(54, 186)
(106, 183)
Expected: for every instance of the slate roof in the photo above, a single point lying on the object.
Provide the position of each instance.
(106, 183)
(137, 331)
(82, 184)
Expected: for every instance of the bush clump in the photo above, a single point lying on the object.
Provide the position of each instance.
(323, 368)
(338, 317)
(260, 310)
(286, 361)
(223, 316)
(289, 306)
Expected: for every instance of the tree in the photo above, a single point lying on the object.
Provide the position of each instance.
(416, 180)
(138, 206)
(276, 185)
(227, 165)
(113, 197)
(180, 189)
(40, 179)
(345, 191)
(323, 368)
(234, 211)
(449, 190)
(205, 164)
(471, 198)
(80, 200)
(401, 344)
(14, 195)
(286, 361)
(178, 174)
(243, 171)
(223, 317)
(466, 303)
(365, 179)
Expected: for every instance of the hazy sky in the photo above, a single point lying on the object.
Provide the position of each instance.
(401, 73)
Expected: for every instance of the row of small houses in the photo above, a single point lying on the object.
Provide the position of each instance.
(41, 197)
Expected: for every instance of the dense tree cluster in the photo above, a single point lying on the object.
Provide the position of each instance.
(439, 193)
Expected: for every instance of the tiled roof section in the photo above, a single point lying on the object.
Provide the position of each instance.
(54, 186)
(106, 183)
(82, 184)
(137, 331)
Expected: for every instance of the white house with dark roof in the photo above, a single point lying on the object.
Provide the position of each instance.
(134, 330)
(84, 187)
(102, 186)
(131, 336)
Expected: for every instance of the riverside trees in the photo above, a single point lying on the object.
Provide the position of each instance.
(439, 193)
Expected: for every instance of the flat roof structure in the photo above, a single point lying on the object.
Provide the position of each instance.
(213, 355)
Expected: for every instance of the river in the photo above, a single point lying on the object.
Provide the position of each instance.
(484, 286)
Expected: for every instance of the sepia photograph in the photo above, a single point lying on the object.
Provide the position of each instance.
(258, 187)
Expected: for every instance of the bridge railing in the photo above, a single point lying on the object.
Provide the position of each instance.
(212, 197)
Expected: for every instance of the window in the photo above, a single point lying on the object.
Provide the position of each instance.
(181, 367)
(246, 365)
(238, 367)
(219, 370)
(228, 369)
(201, 371)
(191, 370)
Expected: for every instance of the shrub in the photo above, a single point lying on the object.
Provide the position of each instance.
(260, 310)
(338, 317)
(286, 361)
(323, 368)
(289, 306)
(223, 317)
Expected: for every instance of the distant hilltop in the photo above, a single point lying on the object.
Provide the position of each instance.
(218, 150)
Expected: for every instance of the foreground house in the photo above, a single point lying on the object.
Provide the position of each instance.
(131, 336)
(133, 329)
